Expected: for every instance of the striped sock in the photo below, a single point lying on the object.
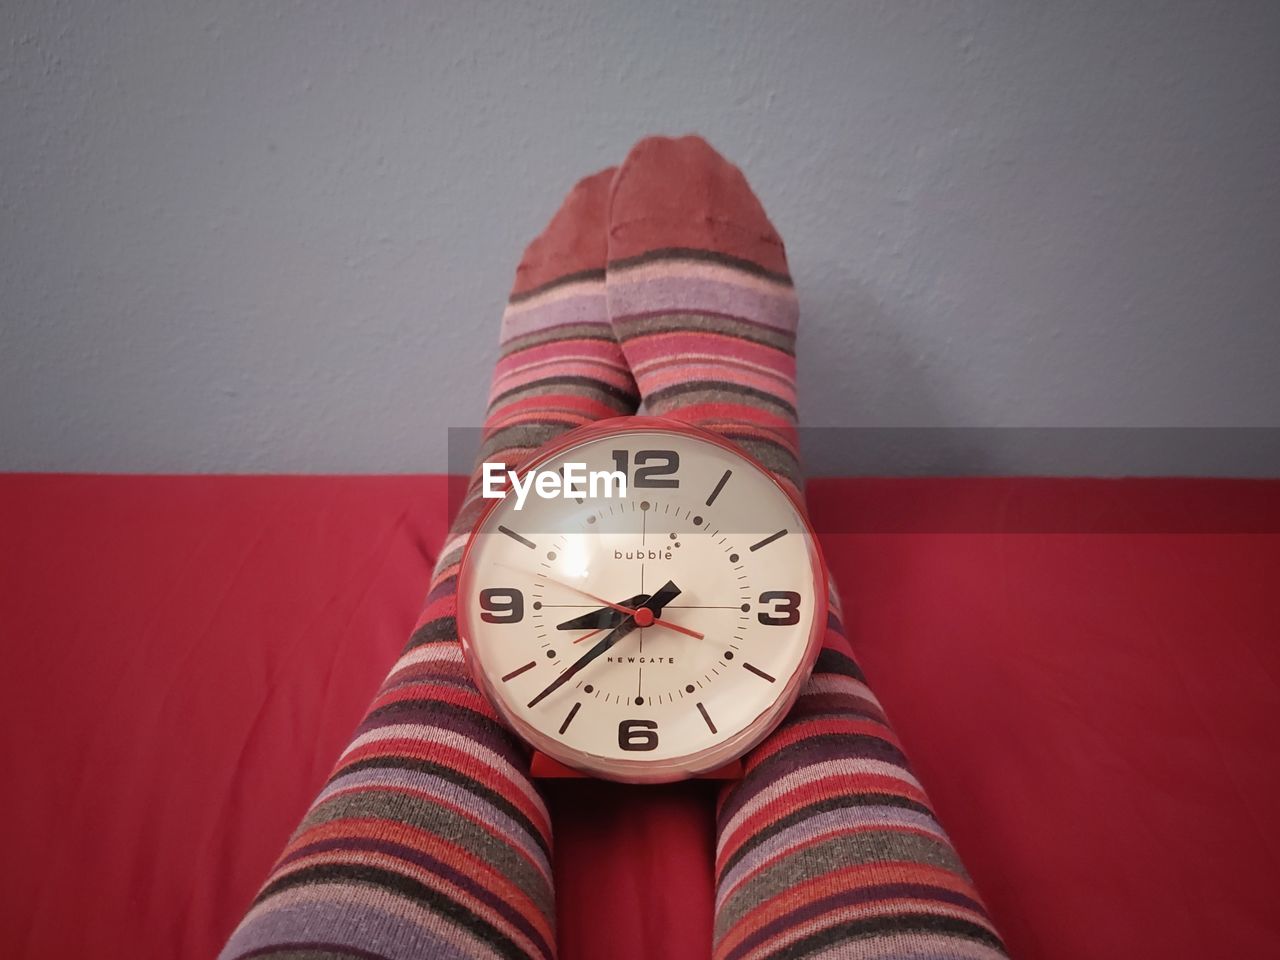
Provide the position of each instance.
(429, 840)
(828, 845)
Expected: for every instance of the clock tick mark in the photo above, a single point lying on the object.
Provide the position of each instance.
(767, 540)
(517, 538)
(519, 670)
(705, 716)
(758, 672)
(573, 712)
(719, 486)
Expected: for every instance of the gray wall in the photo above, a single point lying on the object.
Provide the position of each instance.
(278, 236)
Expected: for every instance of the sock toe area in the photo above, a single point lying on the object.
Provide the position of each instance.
(679, 194)
(574, 245)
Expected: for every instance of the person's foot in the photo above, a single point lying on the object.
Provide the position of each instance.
(701, 299)
(561, 366)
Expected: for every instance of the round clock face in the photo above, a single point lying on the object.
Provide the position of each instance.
(651, 635)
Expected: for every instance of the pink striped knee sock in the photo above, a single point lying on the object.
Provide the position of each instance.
(429, 840)
(828, 845)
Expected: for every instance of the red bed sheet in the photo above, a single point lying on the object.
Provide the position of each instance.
(1086, 674)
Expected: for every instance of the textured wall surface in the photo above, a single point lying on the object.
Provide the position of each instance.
(279, 239)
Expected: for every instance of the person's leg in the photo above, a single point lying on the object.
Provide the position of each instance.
(429, 840)
(827, 846)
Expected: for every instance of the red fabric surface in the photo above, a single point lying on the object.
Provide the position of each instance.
(1092, 705)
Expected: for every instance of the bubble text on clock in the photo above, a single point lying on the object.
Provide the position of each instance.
(572, 481)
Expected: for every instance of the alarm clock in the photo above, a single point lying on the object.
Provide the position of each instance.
(642, 601)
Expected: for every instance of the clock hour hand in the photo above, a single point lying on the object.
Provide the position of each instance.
(660, 598)
(662, 601)
(604, 617)
(616, 634)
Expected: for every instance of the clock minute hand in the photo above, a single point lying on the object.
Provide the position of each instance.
(665, 594)
(618, 632)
